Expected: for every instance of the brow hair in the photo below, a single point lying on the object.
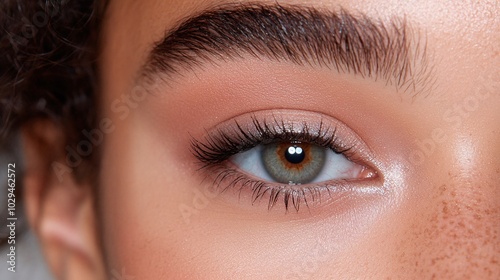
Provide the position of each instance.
(339, 40)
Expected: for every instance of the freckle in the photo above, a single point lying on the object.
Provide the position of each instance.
(442, 189)
(434, 218)
(445, 208)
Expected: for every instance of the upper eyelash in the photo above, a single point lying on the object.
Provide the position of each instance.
(220, 146)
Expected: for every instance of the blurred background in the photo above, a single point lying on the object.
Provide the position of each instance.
(30, 264)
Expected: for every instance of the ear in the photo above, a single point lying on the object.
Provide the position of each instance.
(60, 211)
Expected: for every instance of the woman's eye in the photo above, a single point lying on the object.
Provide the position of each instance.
(296, 163)
(287, 155)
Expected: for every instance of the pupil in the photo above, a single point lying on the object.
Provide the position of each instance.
(295, 154)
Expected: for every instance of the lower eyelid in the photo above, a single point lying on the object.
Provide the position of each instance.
(249, 191)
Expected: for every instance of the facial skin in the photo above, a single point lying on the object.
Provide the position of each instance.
(428, 207)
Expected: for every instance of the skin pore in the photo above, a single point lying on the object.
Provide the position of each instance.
(427, 205)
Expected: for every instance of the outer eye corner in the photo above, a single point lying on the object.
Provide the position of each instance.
(364, 157)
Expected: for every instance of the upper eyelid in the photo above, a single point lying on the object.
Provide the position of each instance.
(228, 137)
(243, 140)
(247, 141)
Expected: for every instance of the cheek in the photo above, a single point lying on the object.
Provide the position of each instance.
(457, 233)
(451, 223)
(141, 189)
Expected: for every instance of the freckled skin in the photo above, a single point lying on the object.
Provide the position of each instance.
(457, 237)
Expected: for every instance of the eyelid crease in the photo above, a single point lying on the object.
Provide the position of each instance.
(340, 40)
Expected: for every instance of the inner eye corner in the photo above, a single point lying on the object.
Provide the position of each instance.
(371, 171)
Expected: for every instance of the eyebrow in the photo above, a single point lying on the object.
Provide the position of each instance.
(340, 40)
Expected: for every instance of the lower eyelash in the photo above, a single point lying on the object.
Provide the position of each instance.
(291, 197)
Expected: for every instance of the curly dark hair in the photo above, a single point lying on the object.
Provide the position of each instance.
(48, 68)
(48, 63)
